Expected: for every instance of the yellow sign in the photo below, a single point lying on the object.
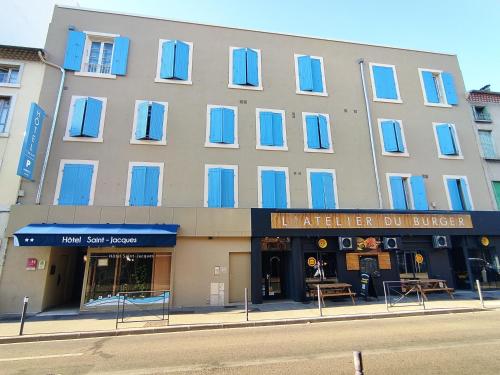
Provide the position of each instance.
(485, 241)
(322, 243)
(419, 258)
(311, 261)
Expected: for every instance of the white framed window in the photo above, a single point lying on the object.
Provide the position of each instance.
(487, 144)
(392, 137)
(317, 132)
(84, 125)
(175, 62)
(11, 72)
(310, 75)
(270, 129)
(245, 68)
(447, 143)
(97, 55)
(273, 187)
(438, 88)
(221, 186)
(458, 193)
(406, 191)
(222, 126)
(385, 86)
(76, 182)
(322, 188)
(144, 184)
(150, 121)
(7, 104)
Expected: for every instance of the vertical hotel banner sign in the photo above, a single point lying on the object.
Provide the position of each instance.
(27, 158)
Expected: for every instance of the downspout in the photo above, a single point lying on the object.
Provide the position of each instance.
(372, 144)
(53, 127)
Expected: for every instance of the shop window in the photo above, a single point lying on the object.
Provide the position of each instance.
(320, 266)
(412, 265)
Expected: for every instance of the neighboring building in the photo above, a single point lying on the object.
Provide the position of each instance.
(21, 76)
(217, 132)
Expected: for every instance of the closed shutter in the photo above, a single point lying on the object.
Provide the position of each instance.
(398, 193)
(352, 262)
(151, 186)
(278, 130)
(167, 59)
(281, 198)
(85, 172)
(120, 56)
(69, 184)
(181, 63)
(252, 67)
(214, 187)
(454, 192)
(389, 135)
(385, 84)
(137, 186)
(312, 131)
(446, 139)
(141, 128)
(227, 126)
(431, 91)
(323, 132)
(268, 189)
(419, 194)
(216, 115)
(305, 73)
(74, 50)
(317, 75)
(496, 188)
(156, 121)
(317, 190)
(449, 88)
(328, 186)
(384, 261)
(266, 128)
(239, 66)
(227, 179)
(464, 189)
(487, 144)
(399, 136)
(92, 120)
(78, 116)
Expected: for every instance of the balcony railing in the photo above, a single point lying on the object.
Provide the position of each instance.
(482, 116)
(98, 68)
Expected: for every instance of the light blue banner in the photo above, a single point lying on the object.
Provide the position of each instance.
(27, 158)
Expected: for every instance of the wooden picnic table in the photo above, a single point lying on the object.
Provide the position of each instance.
(427, 286)
(331, 290)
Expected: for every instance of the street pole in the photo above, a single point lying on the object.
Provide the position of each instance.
(478, 284)
(246, 303)
(358, 363)
(23, 315)
(319, 301)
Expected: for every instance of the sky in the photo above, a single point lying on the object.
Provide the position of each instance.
(461, 27)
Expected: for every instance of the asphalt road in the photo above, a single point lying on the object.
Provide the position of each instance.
(444, 344)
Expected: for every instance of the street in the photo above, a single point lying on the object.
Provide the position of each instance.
(442, 344)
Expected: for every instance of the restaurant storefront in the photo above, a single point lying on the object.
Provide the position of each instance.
(295, 249)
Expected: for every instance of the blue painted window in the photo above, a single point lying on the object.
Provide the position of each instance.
(271, 129)
(175, 58)
(274, 189)
(220, 192)
(317, 132)
(222, 125)
(447, 140)
(86, 118)
(384, 80)
(245, 67)
(150, 120)
(399, 193)
(458, 190)
(144, 186)
(392, 136)
(408, 193)
(439, 87)
(322, 190)
(418, 192)
(310, 71)
(76, 184)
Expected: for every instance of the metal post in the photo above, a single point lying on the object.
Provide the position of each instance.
(385, 296)
(117, 311)
(123, 306)
(358, 363)
(23, 315)
(319, 301)
(168, 307)
(478, 284)
(246, 303)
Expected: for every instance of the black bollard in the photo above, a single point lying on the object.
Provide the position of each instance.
(23, 315)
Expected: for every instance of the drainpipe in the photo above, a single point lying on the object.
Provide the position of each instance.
(53, 127)
(369, 118)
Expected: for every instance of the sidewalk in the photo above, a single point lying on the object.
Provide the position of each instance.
(56, 322)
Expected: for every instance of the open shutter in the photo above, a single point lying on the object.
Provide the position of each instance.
(431, 92)
(216, 115)
(84, 185)
(277, 130)
(151, 186)
(446, 141)
(305, 73)
(142, 121)
(167, 59)
(465, 194)
(280, 194)
(399, 136)
(137, 186)
(181, 61)
(268, 181)
(227, 195)
(323, 132)
(239, 66)
(92, 119)
(120, 56)
(389, 135)
(69, 183)
(266, 128)
(317, 75)
(329, 190)
(385, 85)
(312, 131)
(77, 119)
(449, 88)
(214, 187)
(317, 190)
(398, 193)
(252, 67)
(227, 126)
(454, 192)
(74, 50)
(156, 121)
(418, 191)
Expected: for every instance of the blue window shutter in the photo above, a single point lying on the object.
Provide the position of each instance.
(137, 186)
(487, 144)
(181, 64)
(399, 136)
(252, 67)
(92, 118)
(85, 172)
(454, 191)
(280, 192)
(74, 50)
(277, 129)
(266, 128)
(323, 132)
(227, 126)
(156, 121)
(305, 73)
(152, 182)
(214, 187)
(389, 135)
(317, 75)
(268, 180)
(317, 190)
(385, 84)
(239, 66)
(142, 121)
(312, 131)
(167, 59)
(465, 194)
(446, 139)
(120, 56)
(419, 194)
(69, 184)
(398, 193)
(449, 88)
(216, 115)
(329, 190)
(227, 183)
(430, 87)
(77, 119)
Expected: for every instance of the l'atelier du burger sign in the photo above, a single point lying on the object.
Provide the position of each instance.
(282, 220)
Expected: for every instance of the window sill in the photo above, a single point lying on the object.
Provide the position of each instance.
(13, 85)
(133, 141)
(457, 157)
(222, 145)
(311, 93)
(491, 158)
(95, 75)
(82, 139)
(396, 154)
(4, 135)
(320, 151)
(175, 81)
(245, 87)
(441, 105)
(382, 100)
(483, 121)
(271, 148)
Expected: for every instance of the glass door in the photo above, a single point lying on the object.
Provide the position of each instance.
(273, 266)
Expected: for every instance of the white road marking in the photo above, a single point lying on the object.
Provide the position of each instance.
(41, 357)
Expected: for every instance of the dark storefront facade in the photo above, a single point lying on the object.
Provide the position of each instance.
(292, 249)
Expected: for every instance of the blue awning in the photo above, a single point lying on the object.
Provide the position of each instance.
(97, 235)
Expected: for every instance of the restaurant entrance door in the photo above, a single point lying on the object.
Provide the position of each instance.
(274, 265)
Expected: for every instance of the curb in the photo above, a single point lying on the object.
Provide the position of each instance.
(211, 326)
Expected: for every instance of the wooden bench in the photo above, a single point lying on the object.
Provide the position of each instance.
(332, 290)
(425, 286)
